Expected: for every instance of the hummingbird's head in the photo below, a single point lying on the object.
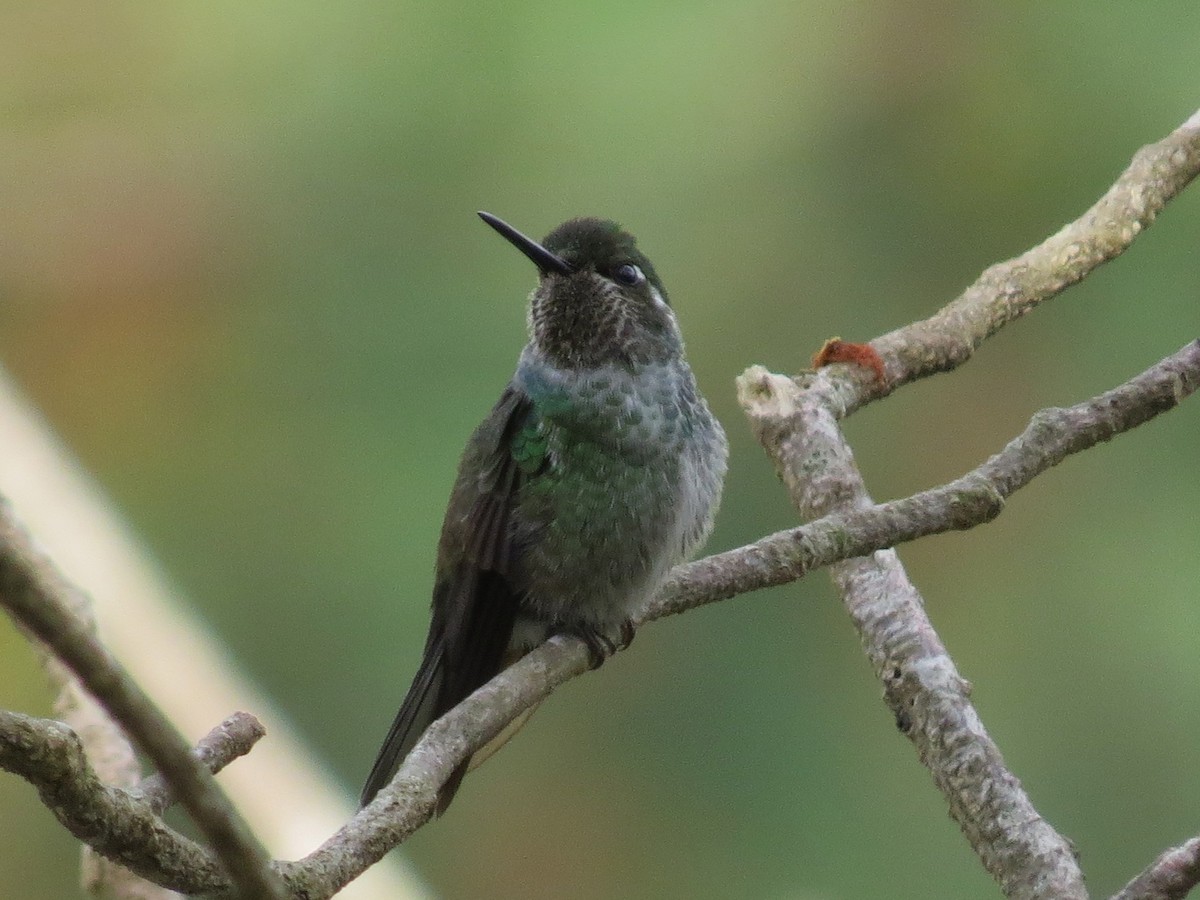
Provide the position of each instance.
(598, 298)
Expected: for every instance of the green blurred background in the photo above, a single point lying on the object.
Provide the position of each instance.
(241, 273)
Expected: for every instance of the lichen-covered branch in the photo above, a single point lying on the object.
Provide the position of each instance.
(140, 614)
(778, 408)
(37, 597)
(798, 425)
(1170, 877)
(930, 700)
(927, 696)
(408, 802)
(120, 824)
(233, 738)
(1009, 290)
(921, 685)
(112, 758)
(114, 823)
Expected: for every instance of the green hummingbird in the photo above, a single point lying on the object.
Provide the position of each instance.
(599, 469)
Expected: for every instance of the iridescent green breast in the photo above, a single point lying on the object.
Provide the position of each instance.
(630, 469)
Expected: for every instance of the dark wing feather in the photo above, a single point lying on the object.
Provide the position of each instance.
(415, 714)
(475, 602)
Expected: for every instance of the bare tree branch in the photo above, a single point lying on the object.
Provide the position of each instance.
(797, 424)
(114, 762)
(38, 599)
(112, 758)
(1170, 877)
(921, 684)
(799, 429)
(120, 824)
(233, 738)
(775, 405)
(1002, 294)
(109, 819)
(140, 613)
(1009, 290)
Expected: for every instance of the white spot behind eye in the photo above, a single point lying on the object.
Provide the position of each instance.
(658, 298)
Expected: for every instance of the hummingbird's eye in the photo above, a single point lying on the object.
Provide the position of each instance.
(629, 274)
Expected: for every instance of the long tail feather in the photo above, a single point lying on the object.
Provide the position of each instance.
(419, 709)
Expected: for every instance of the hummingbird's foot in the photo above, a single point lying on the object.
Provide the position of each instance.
(627, 634)
(600, 645)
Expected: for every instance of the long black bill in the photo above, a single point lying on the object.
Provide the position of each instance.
(546, 261)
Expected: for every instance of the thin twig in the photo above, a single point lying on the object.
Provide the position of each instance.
(925, 692)
(198, 681)
(927, 696)
(233, 738)
(408, 802)
(972, 499)
(50, 756)
(112, 758)
(36, 596)
(1009, 290)
(120, 824)
(1170, 877)
(798, 426)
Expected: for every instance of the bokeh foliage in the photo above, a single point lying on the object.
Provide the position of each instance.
(240, 272)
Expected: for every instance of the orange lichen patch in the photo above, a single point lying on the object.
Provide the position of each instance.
(835, 350)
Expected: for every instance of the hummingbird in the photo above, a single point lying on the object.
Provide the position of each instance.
(598, 470)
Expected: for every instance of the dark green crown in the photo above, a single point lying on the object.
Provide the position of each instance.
(602, 245)
(598, 297)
